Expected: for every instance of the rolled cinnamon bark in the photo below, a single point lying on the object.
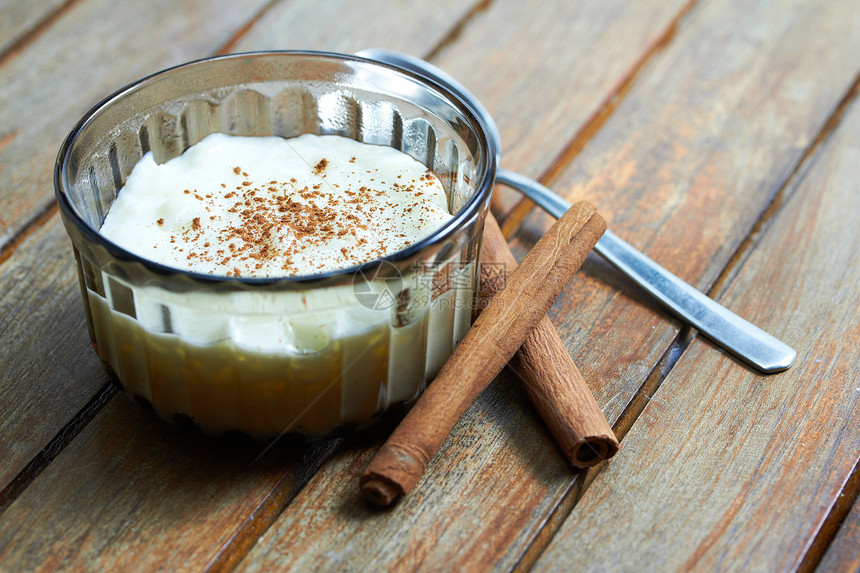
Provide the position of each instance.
(551, 379)
(494, 338)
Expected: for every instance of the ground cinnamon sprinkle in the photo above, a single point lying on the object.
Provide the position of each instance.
(329, 215)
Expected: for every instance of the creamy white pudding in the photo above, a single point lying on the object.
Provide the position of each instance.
(272, 207)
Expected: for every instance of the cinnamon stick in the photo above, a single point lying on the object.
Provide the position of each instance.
(494, 338)
(551, 379)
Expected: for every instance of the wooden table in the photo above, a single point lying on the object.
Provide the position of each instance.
(720, 137)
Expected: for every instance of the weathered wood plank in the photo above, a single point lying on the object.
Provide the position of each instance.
(49, 368)
(110, 503)
(844, 553)
(546, 70)
(94, 48)
(725, 467)
(17, 19)
(691, 158)
(755, 128)
(490, 483)
(342, 26)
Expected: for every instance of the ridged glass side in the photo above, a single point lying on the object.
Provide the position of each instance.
(265, 357)
(314, 371)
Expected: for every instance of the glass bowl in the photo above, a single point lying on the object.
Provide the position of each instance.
(317, 355)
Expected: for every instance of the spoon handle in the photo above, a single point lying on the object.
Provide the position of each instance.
(743, 339)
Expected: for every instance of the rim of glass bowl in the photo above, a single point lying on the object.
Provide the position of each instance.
(466, 214)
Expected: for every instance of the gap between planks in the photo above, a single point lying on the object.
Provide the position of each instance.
(269, 509)
(449, 38)
(37, 222)
(457, 30)
(11, 51)
(66, 434)
(37, 30)
(512, 219)
(584, 478)
(795, 175)
(829, 527)
(237, 37)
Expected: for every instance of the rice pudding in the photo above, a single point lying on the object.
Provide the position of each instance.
(270, 207)
(305, 361)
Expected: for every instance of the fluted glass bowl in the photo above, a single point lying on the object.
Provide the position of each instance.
(315, 355)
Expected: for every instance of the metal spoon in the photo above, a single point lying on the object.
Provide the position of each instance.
(743, 339)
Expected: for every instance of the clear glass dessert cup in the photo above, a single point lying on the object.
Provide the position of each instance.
(318, 355)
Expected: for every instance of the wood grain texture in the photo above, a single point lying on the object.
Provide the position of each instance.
(843, 554)
(708, 132)
(346, 27)
(492, 480)
(22, 18)
(613, 332)
(96, 47)
(546, 69)
(49, 368)
(131, 493)
(725, 466)
(689, 161)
